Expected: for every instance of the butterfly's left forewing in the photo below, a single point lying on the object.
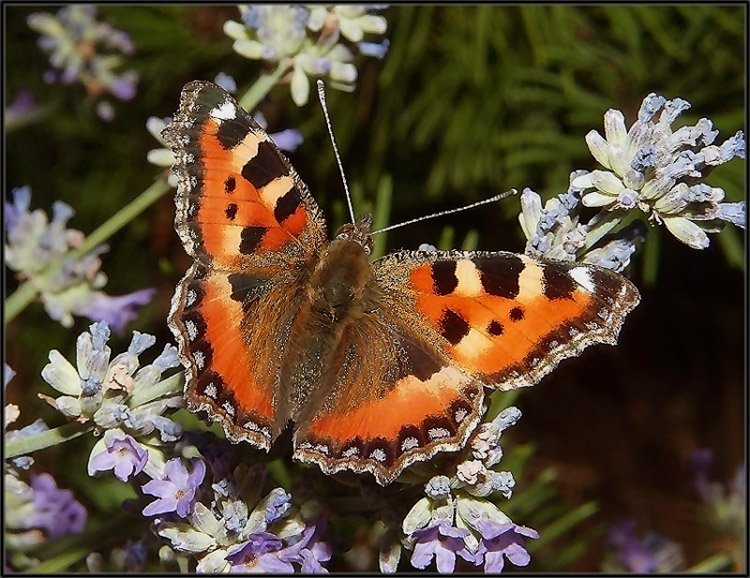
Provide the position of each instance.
(253, 229)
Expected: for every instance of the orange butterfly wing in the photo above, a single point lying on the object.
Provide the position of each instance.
(473, 319)
(250, 223)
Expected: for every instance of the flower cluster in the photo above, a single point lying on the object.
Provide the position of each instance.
(651, 554)
(36, 248)
(85, 50)
(652, 169)
(118, 399)
(660, 172)
(455, 518)
(39, 511)
(316, 41)
(232, 529)
(556, 232)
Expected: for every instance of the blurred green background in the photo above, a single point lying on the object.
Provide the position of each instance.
(468, 102)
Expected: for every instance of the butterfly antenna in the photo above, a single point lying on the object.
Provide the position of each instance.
(448, 212)
(322, 97)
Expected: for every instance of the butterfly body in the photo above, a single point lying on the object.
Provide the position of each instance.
(376, 365)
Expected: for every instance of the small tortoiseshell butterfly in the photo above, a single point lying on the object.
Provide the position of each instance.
(378, 364)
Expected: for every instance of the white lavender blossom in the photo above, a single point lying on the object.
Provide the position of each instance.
(114, 394)
(316, 41)
(661, 172)
(85, 50)
(239, 532)
(455, 519)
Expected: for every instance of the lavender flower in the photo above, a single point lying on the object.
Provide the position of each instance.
(56, 510)
(456, 517)
(117, 397)
(500, 539)
(441, 541)
(120, 453)
(36, 249)
(176, 492)
(659, 171)
(653, 553)
(85, 50)
(260, 553)
(40, 509)
(22, 110)
(237, 532)
(310, 39)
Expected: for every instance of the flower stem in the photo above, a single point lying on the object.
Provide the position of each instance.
(719, 562)
(170, 386)
(18, 301)
(52, 437)
(121, 218)
(263, 86)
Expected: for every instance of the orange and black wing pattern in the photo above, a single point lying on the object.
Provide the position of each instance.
(394, 399)
(239, 201)
(250, 224)
(506, 318)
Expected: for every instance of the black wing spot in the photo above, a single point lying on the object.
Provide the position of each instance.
(500, 275)
(232, 132)
(250, 238)
(453, 327)
(229, 185)
(287, 205)
(516, 314)
(557, 285)
(231, 211)
(245, 286)
(444, 277)
(264, 167)
(495, 328)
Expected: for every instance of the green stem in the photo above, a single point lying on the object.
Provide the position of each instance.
(26, 445)
(170, 386)
(18, 301)
(717, 563)
(263, 86)
(121, 218)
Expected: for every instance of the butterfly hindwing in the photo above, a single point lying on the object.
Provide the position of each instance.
(393, 400)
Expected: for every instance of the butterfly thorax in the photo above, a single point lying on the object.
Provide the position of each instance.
(338, 283)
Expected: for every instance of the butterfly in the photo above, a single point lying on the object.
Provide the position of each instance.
(378, 364)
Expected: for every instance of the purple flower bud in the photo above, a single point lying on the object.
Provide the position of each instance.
(55, 510)
(117, 311)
